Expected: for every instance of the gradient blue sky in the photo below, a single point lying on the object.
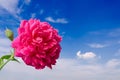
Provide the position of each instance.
(90, 31)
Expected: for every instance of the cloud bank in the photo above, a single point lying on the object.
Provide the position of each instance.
(65, 69)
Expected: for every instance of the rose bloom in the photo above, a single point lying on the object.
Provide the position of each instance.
(37, 43)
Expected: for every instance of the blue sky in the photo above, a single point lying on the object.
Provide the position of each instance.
(90, 31)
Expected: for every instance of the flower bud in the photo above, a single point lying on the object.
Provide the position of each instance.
(9, 34)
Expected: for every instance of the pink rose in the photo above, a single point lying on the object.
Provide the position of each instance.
(37, 43)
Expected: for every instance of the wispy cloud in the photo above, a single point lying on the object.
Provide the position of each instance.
(97, 45)
(114, 33)
(118, 42)
(63, 34)
(41, 11)
(27, 2)
(9, 12)
(117, 52)
(107, 32)
(9, 5)
(58, 20)
(33, 15)
(95, 33)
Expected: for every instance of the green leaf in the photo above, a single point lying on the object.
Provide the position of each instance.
(1, 61)
(6, 57)
(9, 57)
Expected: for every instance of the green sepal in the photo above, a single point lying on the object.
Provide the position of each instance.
(15, 60)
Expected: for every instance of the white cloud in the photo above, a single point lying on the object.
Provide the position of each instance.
(65, 69)
(58, 20)
(96, 45)
(86, 55)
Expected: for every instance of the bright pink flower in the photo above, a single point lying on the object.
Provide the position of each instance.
(37, 44)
